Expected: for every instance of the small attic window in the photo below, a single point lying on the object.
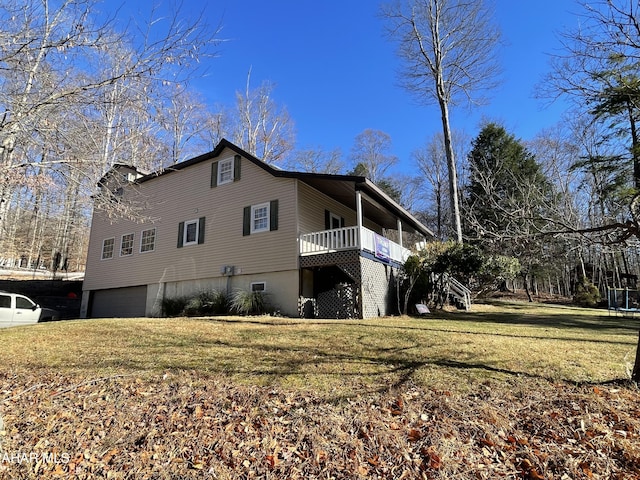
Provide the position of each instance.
(225, 171)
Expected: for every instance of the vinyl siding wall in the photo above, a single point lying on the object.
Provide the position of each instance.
(186, 195)
(312, 205)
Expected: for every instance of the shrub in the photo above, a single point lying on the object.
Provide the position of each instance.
(193, 307)
(173, 307)
(587, 295)
(213, 302)
(248, 303)
(210, 302)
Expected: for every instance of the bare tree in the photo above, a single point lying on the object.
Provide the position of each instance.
(316, 161)
(71, 82)
(262, 127)
(371, 152)
(431, 160)
(183, 121)
(217, 126)
(447, 49)
(64, 46)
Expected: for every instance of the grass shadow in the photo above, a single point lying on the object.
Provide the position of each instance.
(559, 319)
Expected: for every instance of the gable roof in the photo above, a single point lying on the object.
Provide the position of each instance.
(376, 204)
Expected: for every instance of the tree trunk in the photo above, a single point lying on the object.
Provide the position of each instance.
(635, 376)
(439, 209)
(451, 164)
(526, 287)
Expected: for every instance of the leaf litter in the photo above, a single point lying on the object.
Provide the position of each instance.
(187, 425)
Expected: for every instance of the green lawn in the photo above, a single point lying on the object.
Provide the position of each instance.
(519, 391)
(445, 349)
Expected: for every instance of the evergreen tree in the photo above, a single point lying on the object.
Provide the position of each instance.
(508, 200)
(504, 175)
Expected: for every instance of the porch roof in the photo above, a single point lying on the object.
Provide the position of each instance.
(376, 204)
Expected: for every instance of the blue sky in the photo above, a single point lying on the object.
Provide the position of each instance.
(336, 72)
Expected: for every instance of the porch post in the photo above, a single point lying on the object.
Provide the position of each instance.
(359, 209)
(399, 232)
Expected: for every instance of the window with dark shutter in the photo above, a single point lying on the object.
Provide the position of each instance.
(262, 217)
(273, 215)
(225, 171)
(214, 174)
(191, 232)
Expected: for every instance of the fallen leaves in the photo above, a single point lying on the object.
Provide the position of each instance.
(187, 426)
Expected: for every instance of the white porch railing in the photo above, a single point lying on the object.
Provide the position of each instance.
(350, 238)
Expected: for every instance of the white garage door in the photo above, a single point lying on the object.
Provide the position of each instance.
(119, 302)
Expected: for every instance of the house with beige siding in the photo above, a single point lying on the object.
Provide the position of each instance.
(316, 245)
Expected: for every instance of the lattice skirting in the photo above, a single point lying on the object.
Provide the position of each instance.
(308, 307)
(328, 259)
(339, 302)
(379, 296)
(370, 293)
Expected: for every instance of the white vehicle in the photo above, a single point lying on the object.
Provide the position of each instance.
(16, 309)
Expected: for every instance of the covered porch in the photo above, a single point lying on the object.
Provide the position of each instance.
(353, 238)
(351, 271)
(372, 207)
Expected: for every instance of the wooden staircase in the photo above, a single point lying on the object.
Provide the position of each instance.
(460, 294)
(453, 290)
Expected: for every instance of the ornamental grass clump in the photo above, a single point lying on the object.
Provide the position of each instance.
(212, 302)
(249, 303)
(206, 302)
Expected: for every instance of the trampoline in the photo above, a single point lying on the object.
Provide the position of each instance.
(623, 301)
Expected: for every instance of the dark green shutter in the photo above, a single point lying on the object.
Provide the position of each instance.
(214, 174)
(273, 214)
(201, 230)
(327, 219)
(246, 221)
(180, 234)
(236, 167)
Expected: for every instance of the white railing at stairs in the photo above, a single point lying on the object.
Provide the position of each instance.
(460, 292)
(452, 289)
